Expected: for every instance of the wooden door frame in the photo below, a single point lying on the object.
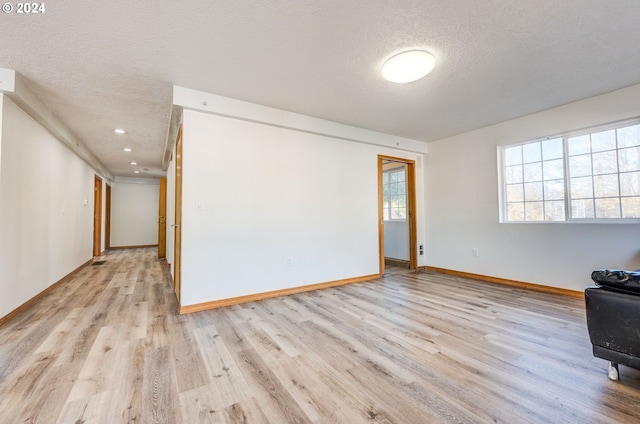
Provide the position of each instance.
(97, 215)
(411, 210)
(107, 218)
(162, 219)
(177, 240)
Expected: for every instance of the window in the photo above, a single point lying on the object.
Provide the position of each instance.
(394, 194)
(592, 175)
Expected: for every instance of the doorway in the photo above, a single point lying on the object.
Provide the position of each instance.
(397, 208)
(97, 215)
(107, 218)
(162, 219)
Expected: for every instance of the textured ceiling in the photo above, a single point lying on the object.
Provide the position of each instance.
(102, 65)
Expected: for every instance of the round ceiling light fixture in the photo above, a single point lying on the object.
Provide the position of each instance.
(119, 131)
(408, 66)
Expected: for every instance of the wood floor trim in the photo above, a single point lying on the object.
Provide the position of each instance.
(140, 246)
(198, 307)
(506, 282)
(26, 305)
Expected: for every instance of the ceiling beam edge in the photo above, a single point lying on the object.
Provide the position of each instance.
(237, 109)
(15, 87)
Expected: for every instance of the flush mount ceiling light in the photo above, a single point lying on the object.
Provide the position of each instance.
(408, 66)
(134, 163)
(119, 131)
(127, 149)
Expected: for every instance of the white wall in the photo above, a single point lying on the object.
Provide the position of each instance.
(268, 208)
(396, 240)
(462, 205)
(134, 211)
(45, 226)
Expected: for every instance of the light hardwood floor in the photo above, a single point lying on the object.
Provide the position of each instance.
(108, 347)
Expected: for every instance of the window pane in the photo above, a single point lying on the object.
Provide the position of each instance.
(630, 184)
(629, 136)
(393, 177)
(581, 188)
(532, 191)
(552, 149)
(385, 178)
(532, 172)
(515, 212)
(385, 214)
(608, 208)
(580, 166)
(629, 159)
(393, 189)
(513, 174)
(554, 190)
(631, 207)
(554, 211)
(553, 169)
(513, 155)
(606, 186)
(533, 211)
(579, 145)
(602, 168)
(401, 188)
(402, 213)
(515, 193)
(401, 175)
(531, 153)
(582, 208)
(605, 163)
(605, 140)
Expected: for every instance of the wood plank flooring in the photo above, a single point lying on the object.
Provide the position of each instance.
(107, 346)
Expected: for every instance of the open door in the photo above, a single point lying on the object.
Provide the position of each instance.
(107, 218)
(178, 216)
(97, 215)
(162, 220)
(410, 207)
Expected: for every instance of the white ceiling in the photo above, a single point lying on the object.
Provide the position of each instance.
(105, 64)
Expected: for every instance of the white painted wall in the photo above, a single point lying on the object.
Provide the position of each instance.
(134, 211)
(462, 205)
(45, 226)
(255, 195)
(396, 240)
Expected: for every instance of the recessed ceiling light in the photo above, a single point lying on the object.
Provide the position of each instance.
(134, 163)
(119, 131)
(408, 66)
(136, 172)
(127, 149)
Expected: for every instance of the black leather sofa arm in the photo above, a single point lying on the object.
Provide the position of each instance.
(617, 279)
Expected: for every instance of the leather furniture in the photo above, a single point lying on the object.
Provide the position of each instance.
(613, 317)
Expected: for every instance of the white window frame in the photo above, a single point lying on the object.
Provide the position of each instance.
(502, 170)
(387, 206)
